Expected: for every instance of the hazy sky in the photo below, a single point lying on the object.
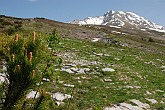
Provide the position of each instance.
(68, 10)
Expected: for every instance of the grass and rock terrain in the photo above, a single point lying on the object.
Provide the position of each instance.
(114, 72)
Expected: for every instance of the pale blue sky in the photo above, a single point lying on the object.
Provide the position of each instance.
(68, 10)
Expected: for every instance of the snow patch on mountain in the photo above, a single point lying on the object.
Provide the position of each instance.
(92, 20)
(158, 30)
(121, 19)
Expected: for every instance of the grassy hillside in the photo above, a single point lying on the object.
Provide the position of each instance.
(116, 69)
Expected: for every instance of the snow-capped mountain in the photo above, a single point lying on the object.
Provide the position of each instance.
(121, 19)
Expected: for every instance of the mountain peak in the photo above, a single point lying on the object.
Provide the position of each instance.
(122, 19)
(110, 12)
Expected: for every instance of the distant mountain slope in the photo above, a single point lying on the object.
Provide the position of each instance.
(121, 19)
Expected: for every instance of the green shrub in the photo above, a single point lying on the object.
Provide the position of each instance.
(24, 58)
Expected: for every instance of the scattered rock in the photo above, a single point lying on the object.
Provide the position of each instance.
(100, 54)
(159, 91)
(117, 59)
(108, 80)
(61, 82)
(77, 78)
(130, 107)
(71, 65)
(162, 102)
(68, 85)
(39, 83)
(129, 87)
(32, 94)
(153, 101)
(80, 70)
(107, 55)
(45, 79)
(79, 82)
(123, 106)
(84, 77)
(60, 97)
(108, 70)
(140, 104)
(2, 78)
(149, 93)
(95, 39)
(4, 68)
(163, 67)
(67, 70)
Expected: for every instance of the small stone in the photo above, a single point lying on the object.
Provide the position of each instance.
(84, 77)
(153, 101)
(129, 87)
(107, 80)
(68, 85)
(163, 67)
(149, 93)
(108, 70)
(79, 81)
(68, 71)
(32, 94)
(61, 82)
(45, 79)
(159, 91)
(2, 78)
(140, 104)
(117, 59)
(60, 97)
(162, 102)
(95, 39)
